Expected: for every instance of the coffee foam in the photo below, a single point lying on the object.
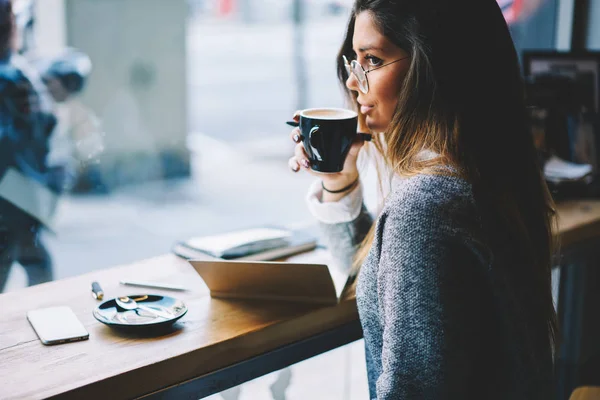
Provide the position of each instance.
(328, 113)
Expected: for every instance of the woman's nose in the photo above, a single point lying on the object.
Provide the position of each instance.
(351, 82)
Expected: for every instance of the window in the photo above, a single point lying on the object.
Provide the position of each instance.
(532, 23)
(179, 127)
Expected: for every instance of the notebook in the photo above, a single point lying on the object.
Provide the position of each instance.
(258, 244)
(270, 280)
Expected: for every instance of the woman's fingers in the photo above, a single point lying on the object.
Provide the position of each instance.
(295, 135)
(301, 156)
(299, 160)
(293, 164)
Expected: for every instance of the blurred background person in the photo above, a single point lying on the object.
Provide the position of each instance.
(78, 140)
(26, 124)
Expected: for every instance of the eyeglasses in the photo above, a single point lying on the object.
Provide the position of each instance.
(361, 74)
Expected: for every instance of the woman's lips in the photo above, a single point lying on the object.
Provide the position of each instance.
(365, 109)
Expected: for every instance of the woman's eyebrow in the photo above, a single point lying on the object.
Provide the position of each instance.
(369, 47)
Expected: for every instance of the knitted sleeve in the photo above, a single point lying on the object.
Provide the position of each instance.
(342, 239)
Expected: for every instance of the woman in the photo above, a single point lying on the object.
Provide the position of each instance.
(454, 289)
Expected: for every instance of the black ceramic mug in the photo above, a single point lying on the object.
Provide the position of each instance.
(327, 135)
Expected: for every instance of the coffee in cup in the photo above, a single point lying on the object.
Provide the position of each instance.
(327, 135)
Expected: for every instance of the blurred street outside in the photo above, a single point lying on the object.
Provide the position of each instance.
(241, 91)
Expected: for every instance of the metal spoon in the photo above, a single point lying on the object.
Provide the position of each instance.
(130, 304)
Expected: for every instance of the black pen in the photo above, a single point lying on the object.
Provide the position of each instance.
(97, 291)
(156, 285)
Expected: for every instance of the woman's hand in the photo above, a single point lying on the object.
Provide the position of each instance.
(332, 181)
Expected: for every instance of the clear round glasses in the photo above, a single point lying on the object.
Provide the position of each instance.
(353, 67)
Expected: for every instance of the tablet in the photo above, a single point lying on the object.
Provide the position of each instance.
(270, 280)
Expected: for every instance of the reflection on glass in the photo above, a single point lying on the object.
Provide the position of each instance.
(49, 141)
(532, 22)
(169, 125)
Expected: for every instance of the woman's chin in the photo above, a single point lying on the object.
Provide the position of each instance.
(374, 124)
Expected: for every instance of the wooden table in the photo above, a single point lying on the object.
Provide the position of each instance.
(586, 393)
(578, 221)
(218, 344)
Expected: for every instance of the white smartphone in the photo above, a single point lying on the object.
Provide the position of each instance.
(55, 325)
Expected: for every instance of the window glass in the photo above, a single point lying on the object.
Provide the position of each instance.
(169, 124)
(532, 23)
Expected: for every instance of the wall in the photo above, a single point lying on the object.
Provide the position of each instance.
(138, 84)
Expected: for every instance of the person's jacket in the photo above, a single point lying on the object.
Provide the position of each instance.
(26, 124)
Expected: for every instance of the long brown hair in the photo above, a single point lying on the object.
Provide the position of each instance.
(463, 98)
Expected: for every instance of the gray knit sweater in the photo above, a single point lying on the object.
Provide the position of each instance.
(438, 323)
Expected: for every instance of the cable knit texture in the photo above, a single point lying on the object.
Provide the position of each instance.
(438, 321)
